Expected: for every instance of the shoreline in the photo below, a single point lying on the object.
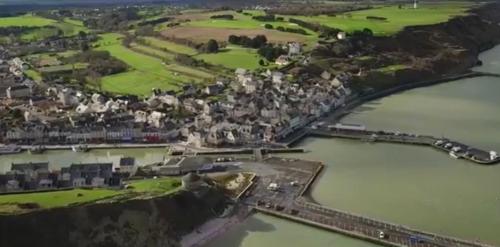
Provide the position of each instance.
(355, 102)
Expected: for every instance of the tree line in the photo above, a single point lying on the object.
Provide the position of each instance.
(224, 17)
(323, 30)
(245, 41)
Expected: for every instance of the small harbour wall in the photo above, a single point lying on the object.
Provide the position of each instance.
(455, 149)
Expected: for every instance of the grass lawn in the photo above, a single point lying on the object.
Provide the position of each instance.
(240, 21)
(146, 72)
(170, 46)
(58, 198)
(160, 185)
(27, 20)
(397, 18)
(69, 28)
(154, 52)
(233, 57)
(33, 75)
(47, 27)
(150, 187)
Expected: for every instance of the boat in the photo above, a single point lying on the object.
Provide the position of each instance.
(10, 149)
(36, 149)
(80, 148)
(456, 155)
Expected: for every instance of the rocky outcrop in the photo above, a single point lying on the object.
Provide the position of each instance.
(153, 222)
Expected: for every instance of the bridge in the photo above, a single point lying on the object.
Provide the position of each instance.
(455, 149)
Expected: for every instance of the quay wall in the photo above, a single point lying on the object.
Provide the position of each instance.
(326, 227)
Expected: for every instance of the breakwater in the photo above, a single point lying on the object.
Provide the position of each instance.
(455, 149)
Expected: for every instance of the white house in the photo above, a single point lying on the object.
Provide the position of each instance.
(341, 35)
(282, 60)
(78, 182)
(294, 48)
(98, 182)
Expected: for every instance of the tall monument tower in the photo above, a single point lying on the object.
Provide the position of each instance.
(415, 4)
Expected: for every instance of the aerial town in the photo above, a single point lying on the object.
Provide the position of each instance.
(207, 123)
(249, 109)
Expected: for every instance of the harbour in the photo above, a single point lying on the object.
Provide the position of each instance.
(432, 193)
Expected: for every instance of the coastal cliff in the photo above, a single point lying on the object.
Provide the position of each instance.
(152, 222)
(416, 53)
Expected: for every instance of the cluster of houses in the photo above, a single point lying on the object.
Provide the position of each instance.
(37, 176)
(250, 109)
(294, 51)
(264, 108)
(13, 84)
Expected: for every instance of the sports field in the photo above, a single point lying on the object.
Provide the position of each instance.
(397, 18)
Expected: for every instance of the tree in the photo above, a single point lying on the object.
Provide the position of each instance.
(268, 26)
(127, 40)
(233, 39)
(95, 80)
(212, 46)
(82, 34)
(84, 46)
(367, 32)
(147, 30)
(262, 63)
(259, 41)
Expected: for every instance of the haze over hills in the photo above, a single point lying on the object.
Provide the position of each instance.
(53, 2)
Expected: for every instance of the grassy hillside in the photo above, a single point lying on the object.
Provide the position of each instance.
(146, 71)
(396, 19)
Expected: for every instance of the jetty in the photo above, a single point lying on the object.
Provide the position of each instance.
(455, 149)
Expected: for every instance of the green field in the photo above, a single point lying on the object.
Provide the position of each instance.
(150, 187)
(154, 52)
(47, 27)
(161, 185)
(233, 57)
(146, 72)
(240, 21)
(33, 75)
(69, 28)
(58, 198)
(397, 18)
(170, 46)
(26, 21)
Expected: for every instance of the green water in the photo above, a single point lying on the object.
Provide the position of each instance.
(413, 186)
